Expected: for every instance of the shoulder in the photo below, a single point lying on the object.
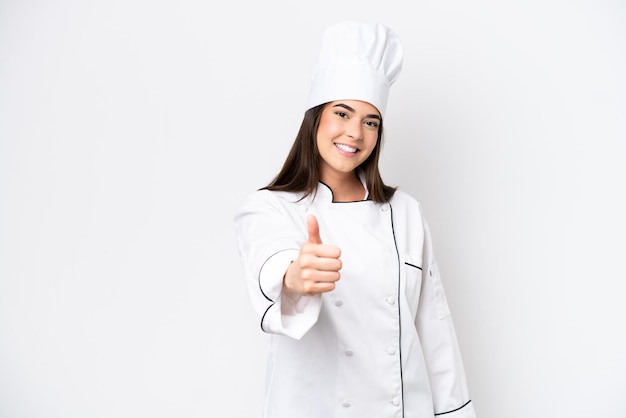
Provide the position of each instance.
(404, 200)
(407, 209)
(271, 201)
(265, 196)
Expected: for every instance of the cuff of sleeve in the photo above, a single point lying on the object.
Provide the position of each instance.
(466, 411)
(291, 314)
(273, 271)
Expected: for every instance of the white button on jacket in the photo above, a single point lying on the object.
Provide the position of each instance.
(385, 332)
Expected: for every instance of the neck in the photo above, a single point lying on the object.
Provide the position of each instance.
(347, 188)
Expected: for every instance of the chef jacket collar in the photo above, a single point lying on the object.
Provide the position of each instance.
(325, 193)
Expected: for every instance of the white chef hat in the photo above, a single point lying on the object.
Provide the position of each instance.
(358, 61)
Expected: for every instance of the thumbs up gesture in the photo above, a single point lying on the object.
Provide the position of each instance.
(317, 267)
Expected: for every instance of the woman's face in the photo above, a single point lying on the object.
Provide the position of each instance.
(346, 136)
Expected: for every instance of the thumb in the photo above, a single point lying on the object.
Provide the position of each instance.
(313, 229)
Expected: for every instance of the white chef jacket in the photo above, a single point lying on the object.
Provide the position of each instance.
(382, 343)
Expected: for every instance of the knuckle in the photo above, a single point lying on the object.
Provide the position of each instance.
(305, 261)
(308, 288)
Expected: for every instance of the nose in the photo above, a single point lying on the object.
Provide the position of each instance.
(355, 130)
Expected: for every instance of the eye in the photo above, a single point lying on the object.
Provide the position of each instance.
(341, 114)
(372, 123)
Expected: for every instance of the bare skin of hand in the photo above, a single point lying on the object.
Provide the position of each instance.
(316, 270)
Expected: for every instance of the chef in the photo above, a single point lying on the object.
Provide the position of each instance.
(340, 266)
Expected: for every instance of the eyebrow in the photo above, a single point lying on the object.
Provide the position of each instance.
(345, 106)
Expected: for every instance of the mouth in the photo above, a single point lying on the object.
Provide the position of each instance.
(346, 148)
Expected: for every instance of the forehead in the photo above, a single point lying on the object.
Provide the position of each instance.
(357, 106)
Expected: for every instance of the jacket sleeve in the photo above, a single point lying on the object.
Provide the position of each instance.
(269, 237)
(439, 342)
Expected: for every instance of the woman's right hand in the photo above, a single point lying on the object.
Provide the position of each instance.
(317, 267)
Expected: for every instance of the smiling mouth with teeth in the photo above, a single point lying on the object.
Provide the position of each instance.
(346, 148)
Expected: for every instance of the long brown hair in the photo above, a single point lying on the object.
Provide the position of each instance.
(301, 170)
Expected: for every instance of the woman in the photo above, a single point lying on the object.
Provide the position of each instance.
(340, 266)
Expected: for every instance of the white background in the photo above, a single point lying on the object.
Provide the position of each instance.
(131, 130)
